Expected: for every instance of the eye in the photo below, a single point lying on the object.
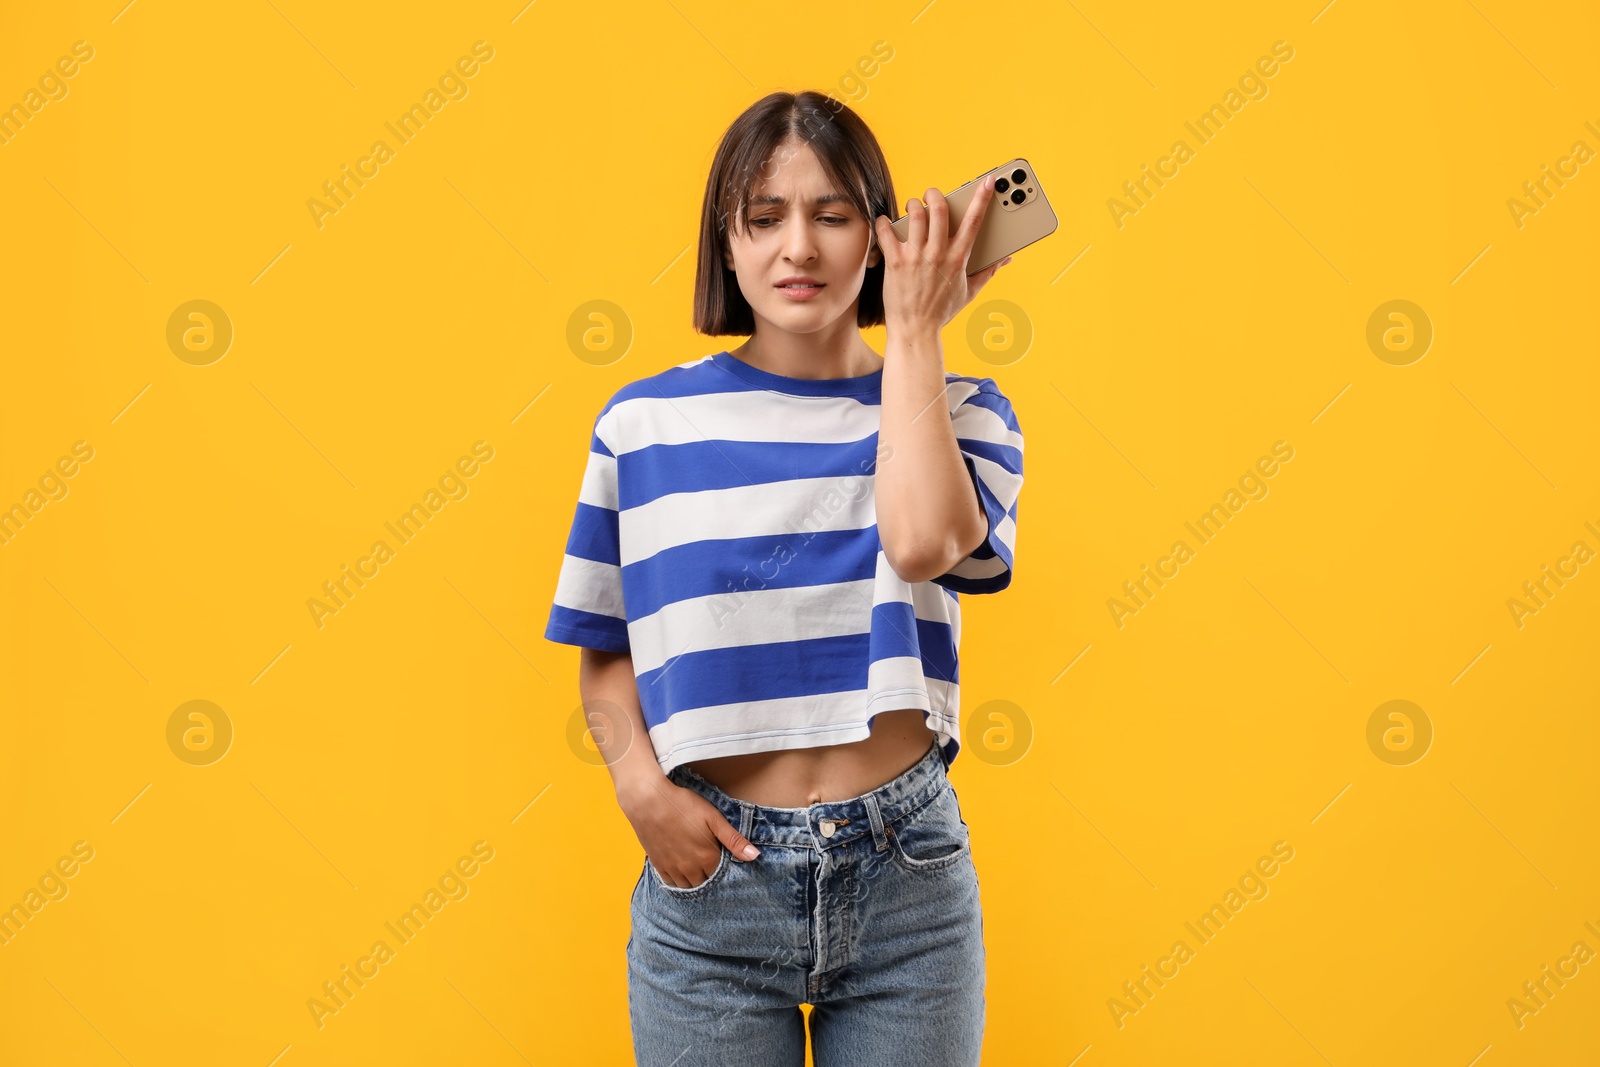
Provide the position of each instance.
(758, 223)
(834, 218)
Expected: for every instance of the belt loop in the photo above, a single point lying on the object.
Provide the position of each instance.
(747, 813)
(875, 817)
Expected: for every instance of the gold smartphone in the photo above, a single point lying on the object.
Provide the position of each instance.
(1018, 215)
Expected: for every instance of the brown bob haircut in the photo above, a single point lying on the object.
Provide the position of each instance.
(849, 155)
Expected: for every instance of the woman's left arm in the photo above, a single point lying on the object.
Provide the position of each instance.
(929, 513)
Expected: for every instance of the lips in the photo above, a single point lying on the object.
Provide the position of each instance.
(800, 292)
(799, 281)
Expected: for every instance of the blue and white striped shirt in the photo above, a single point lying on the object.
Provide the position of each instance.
(726, 536)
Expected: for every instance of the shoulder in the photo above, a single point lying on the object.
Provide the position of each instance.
(690, 378)
(967, 394)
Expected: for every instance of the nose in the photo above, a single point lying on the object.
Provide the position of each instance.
(799, 245)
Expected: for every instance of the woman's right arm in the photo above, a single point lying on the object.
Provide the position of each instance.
(610, 694)
(677, 827)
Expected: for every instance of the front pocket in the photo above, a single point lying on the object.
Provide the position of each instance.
(694, 890)
(931, 838)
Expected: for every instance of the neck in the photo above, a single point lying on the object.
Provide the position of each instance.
(835, 353)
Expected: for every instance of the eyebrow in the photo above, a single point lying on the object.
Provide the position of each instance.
(773, 198)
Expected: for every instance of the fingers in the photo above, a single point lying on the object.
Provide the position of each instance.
(938, 223)
(681, 799)
(883, 229)
(976, 282)
(968, 233)
(715, 827)
(736, 842)
(988, 272)
(683, 881)
(917, 225)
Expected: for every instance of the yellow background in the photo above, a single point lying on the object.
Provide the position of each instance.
(431, 311)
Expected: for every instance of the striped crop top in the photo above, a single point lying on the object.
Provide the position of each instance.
(726, 538)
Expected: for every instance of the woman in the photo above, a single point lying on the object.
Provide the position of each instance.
(763, 574)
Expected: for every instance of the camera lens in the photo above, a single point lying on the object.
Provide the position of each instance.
(1001, 185)
(1018, 196)
(1019, 176)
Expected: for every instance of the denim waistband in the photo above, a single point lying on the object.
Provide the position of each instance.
(830, 823)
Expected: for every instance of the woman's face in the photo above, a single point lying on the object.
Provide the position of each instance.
(800, 227)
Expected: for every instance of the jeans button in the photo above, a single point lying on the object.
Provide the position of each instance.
(827, 827)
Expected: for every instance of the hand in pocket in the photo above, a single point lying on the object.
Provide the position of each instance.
(683, 835)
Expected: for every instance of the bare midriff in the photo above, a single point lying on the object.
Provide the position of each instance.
(799, 777)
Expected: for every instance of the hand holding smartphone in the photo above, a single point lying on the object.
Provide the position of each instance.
(1018, 216)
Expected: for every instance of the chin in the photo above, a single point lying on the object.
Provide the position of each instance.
(809, 319)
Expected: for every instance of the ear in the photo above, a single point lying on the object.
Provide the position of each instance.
(874, 250)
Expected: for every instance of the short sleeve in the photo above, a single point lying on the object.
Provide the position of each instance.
(588, 609)
(990, 439)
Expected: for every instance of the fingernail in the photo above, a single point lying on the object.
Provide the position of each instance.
(750, 852)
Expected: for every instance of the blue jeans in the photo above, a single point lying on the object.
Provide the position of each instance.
(866, 908)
